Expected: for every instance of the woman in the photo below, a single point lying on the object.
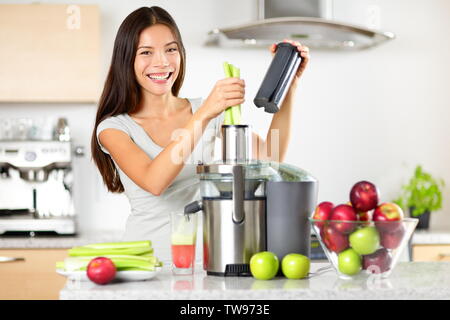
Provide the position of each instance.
(146, 139)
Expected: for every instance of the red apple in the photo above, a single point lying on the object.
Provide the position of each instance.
(391, 240)
(334, 240)
(364, 216)
(344, 212)
(388, 216)
(377, 262)
(101, 270)
(323, 212)
(364, 196)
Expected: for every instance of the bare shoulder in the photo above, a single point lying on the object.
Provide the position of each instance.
(120, 146)
(110, 137)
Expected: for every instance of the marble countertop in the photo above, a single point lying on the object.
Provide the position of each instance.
(410, 280)
(42, 242)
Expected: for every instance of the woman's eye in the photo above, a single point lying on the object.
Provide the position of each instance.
(172, 49)
(146, 52)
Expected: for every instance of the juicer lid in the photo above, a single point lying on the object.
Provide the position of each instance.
(258, 169)
(222, 167)
(291, 173)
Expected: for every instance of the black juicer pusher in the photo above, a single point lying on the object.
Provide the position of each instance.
(278, 78)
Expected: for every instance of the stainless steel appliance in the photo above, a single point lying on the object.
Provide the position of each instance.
(36, 187)
(251, 206)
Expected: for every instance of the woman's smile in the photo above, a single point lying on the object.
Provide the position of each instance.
(160, 77)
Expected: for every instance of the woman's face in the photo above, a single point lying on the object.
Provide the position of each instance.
(158, 60)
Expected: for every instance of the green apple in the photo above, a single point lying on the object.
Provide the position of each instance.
(349, 262)
(264, 265)
(365, 240)
(295, 266)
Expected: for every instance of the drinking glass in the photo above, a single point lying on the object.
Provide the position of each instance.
(183, 239)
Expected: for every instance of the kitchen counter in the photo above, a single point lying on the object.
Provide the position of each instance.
(410, 280)
(55, 242)
(42, 242)
(431, 237)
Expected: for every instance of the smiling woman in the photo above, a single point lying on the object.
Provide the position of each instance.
(147, 140)
(158, 63)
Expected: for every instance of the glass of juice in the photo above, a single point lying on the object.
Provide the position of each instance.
(183, 238)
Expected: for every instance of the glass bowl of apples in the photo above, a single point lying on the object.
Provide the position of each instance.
(362, 243)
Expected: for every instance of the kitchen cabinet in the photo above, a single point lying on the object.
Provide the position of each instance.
(34, 278)
(431, 252)
(49, 53)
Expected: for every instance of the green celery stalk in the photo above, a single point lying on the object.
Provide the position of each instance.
(150, 268)
(227, 69)
(132, 255)
(86, 251)
(151, 259)
(121, 262)
(60, 265)
(236, 110)
(146, 254)
(119, 245)
(228, 120)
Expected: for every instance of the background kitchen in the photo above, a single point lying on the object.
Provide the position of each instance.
(360, 114)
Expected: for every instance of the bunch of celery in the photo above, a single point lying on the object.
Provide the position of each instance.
(134, 255)
(232, 114)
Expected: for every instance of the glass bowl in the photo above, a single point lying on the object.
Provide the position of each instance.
(357, 248)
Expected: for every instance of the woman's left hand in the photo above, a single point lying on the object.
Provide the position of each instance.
(304, 53)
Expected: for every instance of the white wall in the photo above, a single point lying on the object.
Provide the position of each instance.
(370, 114)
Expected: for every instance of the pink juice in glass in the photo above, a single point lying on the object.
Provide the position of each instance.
(183, 255)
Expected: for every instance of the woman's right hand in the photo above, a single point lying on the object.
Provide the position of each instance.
(226, 93)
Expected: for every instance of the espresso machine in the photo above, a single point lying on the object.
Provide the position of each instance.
(36, 187)
(251, 206)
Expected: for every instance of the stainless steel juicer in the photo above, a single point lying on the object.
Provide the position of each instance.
(251, 206)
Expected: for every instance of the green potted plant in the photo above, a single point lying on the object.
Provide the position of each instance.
(421, 195)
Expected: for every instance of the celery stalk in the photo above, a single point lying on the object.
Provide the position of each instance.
(85, 251)
(228, 115)
(147, 254)
(152, 268)
(151, 259)
(232, 114)
(117, 245)
(236, 110)
(121, 263)
(127, 248)
(132, 255)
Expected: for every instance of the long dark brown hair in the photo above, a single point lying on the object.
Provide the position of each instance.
(121, 93)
